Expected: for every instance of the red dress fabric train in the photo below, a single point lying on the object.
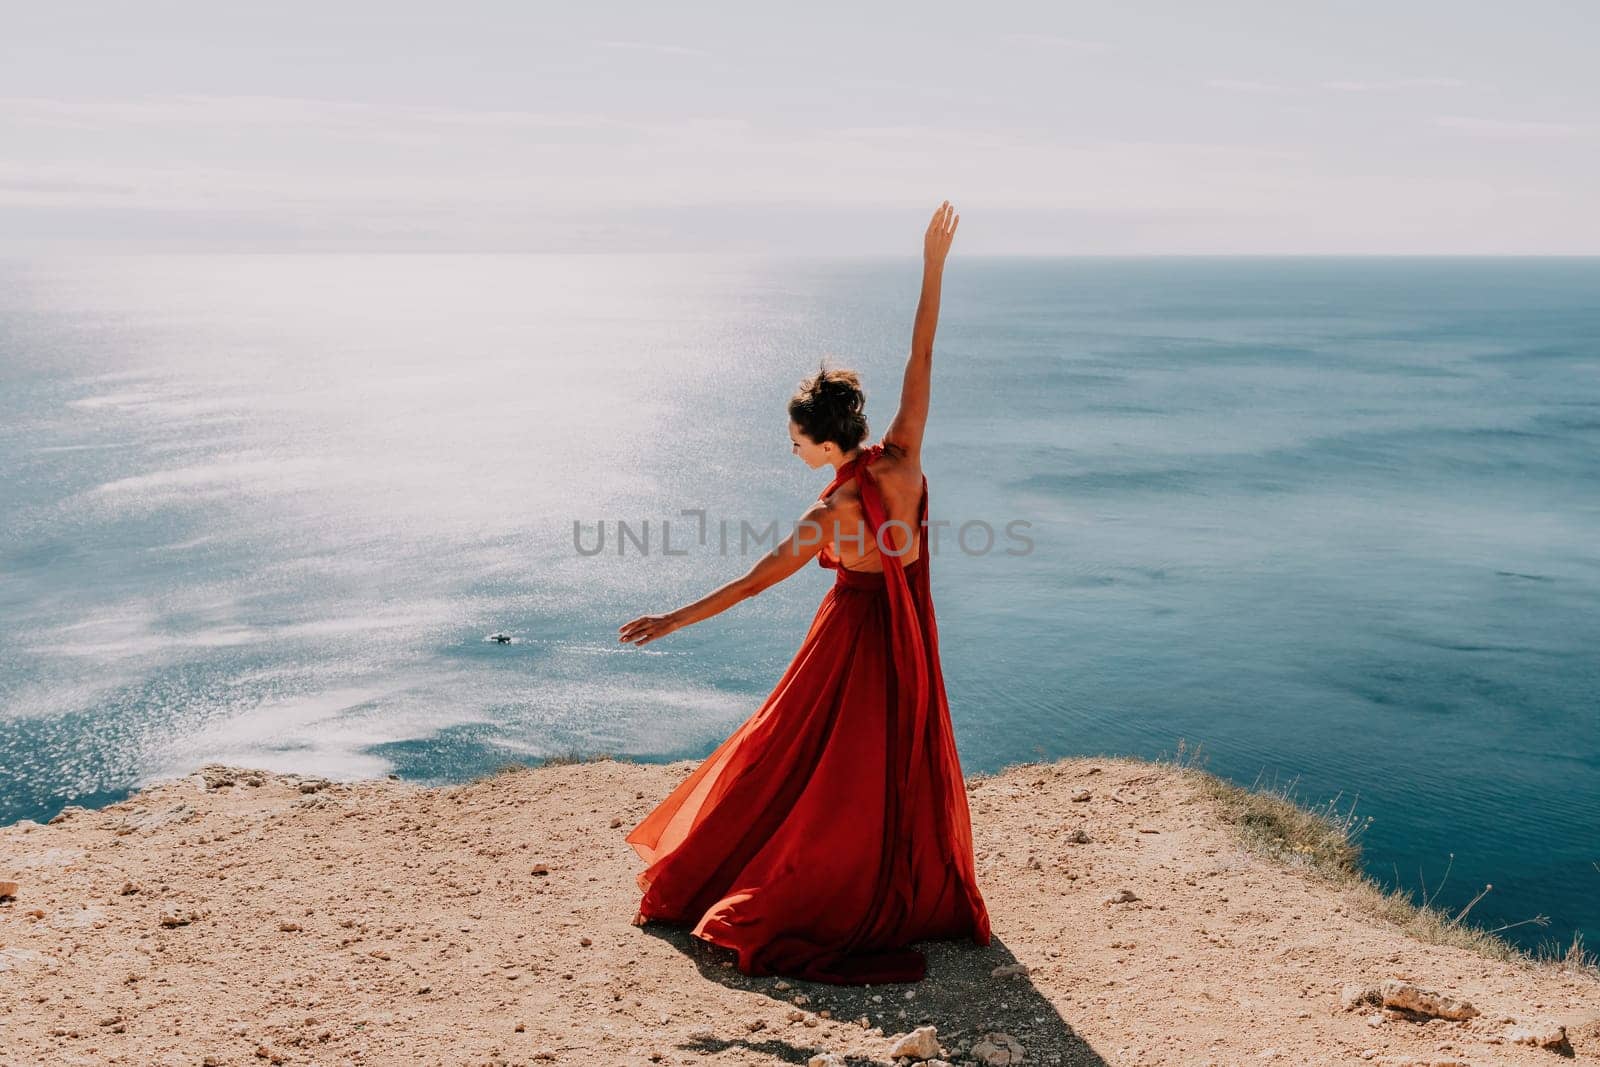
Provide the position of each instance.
(831, 829)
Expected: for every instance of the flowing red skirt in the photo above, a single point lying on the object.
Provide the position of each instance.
(831, 829)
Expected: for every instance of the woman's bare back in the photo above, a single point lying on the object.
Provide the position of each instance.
(899, 480)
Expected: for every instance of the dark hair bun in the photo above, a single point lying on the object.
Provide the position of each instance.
(831, 406)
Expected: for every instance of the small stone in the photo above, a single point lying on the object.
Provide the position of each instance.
(1121, 896)
(1542, 1034)
(1081, 795)
(1009, 970)
(1355, 994)
(1408, 997)
(920, 1044)
(827, 1059)
(1078, 837)
(540, 869)
(8, 890)
(997, 1050)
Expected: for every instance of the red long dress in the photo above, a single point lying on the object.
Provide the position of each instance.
(831, 829)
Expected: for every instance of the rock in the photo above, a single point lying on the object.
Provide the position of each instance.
(827, 1059)
(1407, 997)
(1542, 1033)
(216, 776)
(1009, 970)
(1081, 795)
(8, 890)
(997, 1050)
(1121, 896)
(1079, 837)
(175, 918)
(920, 1044)
(313, 785)
(1355, 995)
(66, 813)
(145, 819)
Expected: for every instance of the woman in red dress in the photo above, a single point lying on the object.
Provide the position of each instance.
(831, 829)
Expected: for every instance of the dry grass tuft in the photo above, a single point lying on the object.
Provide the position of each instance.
(1325, 841)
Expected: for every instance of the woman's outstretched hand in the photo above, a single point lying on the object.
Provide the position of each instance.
(941, 231)
(647, 628)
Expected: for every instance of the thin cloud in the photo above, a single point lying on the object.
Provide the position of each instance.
(647, 46)
(1237, 85)
(903, 133)
(1245, 85)
(1050, 40)
(1394, 84)
(1516, 130)
(294, 112)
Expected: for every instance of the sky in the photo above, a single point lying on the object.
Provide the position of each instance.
(1056, 129)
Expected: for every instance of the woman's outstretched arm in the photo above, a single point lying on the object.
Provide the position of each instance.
(811, 533)
(905, 431)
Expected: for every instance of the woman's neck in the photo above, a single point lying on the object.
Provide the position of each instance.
(847, 458)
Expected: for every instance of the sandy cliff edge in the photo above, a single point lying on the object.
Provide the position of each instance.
(245, 917)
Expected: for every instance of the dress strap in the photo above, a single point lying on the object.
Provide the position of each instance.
(906, 639)
(851, 469)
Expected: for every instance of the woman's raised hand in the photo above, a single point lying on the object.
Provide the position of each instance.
(941, 231)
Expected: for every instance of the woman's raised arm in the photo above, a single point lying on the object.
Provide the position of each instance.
(905, 431)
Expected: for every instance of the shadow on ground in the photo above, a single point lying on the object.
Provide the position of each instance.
(958, 996)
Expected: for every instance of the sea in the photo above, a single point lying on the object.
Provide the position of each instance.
(1332, 522)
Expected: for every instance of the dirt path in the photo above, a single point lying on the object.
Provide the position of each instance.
(301, 922)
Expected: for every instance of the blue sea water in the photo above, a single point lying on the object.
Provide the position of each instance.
(1335, 520)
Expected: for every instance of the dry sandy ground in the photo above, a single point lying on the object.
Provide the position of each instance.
(385, 923)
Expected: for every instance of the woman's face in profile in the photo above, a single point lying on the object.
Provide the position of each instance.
(811, 454)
